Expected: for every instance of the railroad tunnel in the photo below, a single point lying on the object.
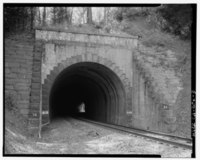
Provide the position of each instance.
(93, 86)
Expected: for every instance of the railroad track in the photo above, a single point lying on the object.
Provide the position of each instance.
(176, 141)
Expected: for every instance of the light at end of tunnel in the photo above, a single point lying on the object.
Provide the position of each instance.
(81, 108)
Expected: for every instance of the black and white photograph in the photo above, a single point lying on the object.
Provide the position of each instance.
(99, 80)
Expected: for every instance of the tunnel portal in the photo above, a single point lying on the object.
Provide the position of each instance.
(105, 72)
(91, 84)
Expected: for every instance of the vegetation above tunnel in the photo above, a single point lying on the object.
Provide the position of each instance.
(176, 18)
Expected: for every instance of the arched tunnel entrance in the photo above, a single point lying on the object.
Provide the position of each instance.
(91, 85)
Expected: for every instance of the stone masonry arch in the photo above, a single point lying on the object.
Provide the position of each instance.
(88, 57)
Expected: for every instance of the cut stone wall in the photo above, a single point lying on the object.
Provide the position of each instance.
(56, 53)
(18, 72)
(48, 82)
(105, 39)
(64, 49)
(63, 45)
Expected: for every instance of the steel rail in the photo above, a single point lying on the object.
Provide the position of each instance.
(165, 138)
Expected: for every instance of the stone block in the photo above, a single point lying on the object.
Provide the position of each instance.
(35, 85)
(73, 60)
(36, 74)
(46, 87)
(25, 76)
(45, 119)
(36, 64)
(56, 71)
(79, 58)
(33, 122)
(9, 87)
(11, 76)
(101, 61)
(94, 57)
(45, 96)
(89, 57)
(61, 67)
(106, 63)
(26, 101)
(44, 91)
(21, 87)
(116, 70)
(112, 66)
(14, 64)
(24, 111)
(35, 105)
(34, 114)
(24, 96)
(36, 79)
(9, 81)
(48, 83)
(25, 70)
(37, 60)
(45, 102)
(19, 84)
(36, 68)
(35, 98)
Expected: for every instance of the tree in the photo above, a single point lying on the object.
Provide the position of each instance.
(33, 13)
(17, 18)
(67, 15)
(44, 17)
(61, 15)
(70, 15)
(54, 15)
(81, 14)
(105, 15)
(89, 15)
(38, 19)
(178, 19)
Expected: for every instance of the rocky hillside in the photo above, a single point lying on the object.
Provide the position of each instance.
(168, 60)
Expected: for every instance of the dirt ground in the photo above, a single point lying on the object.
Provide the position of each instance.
(69, 136)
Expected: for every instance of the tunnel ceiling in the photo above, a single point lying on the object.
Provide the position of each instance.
(93, 84)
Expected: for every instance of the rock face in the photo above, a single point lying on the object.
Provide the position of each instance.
(140, 90)
(167, 85)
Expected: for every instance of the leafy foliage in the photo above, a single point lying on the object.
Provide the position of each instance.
(18, 18)
(172, 18)
(61, 15)
(130, 13)
(178, 19)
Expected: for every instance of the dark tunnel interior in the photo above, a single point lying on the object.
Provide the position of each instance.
(91, 85)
